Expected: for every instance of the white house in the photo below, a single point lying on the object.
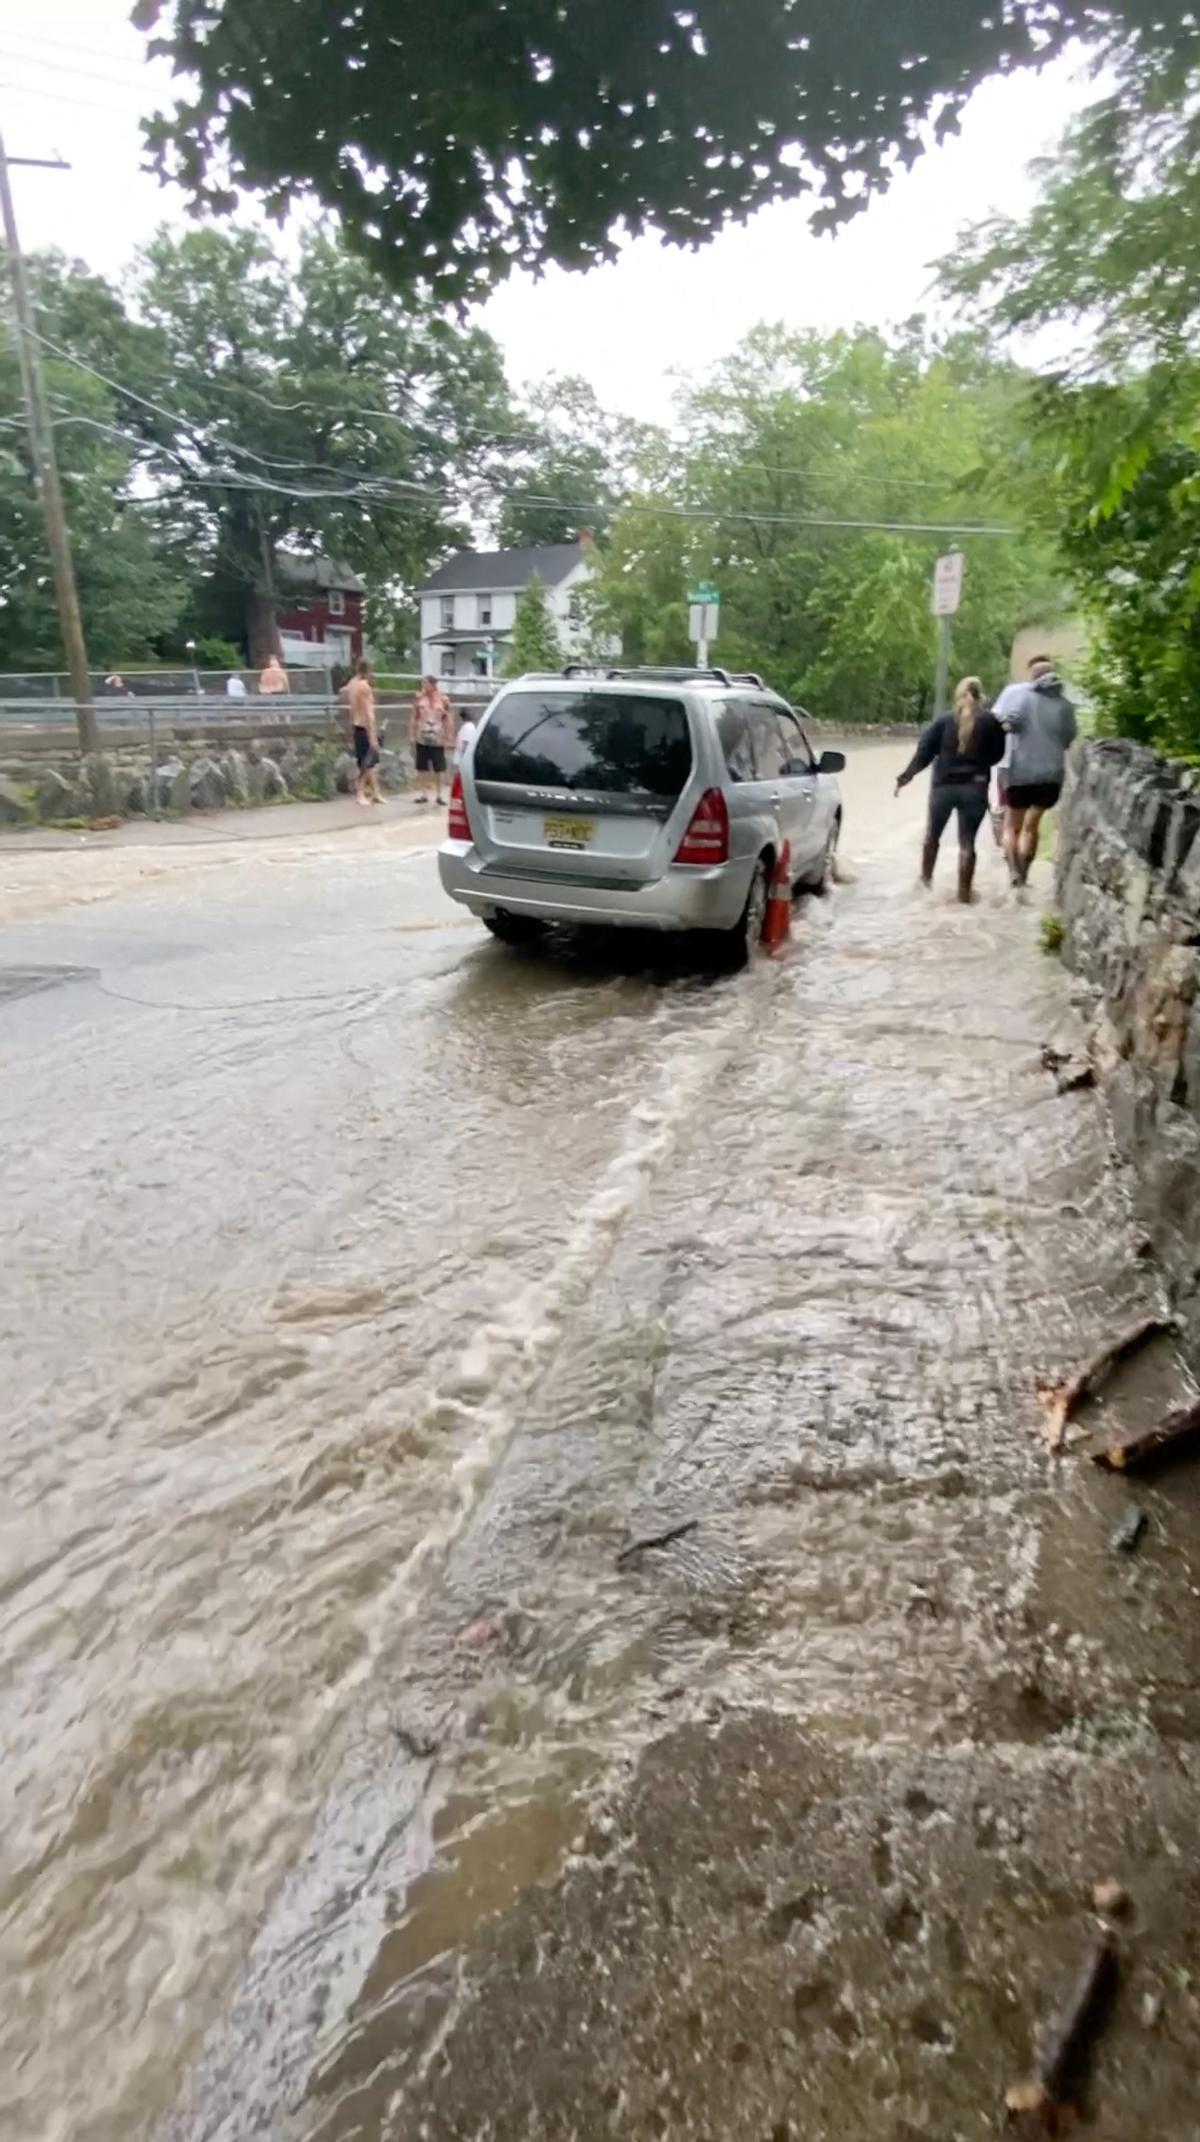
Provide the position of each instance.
(468, 606)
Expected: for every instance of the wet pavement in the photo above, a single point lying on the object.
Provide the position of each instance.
(368, 1290)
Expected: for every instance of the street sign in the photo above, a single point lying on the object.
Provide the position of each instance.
(703, 592)
(702, 621)
(947, 584)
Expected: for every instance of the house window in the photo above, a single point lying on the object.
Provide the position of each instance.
(483, 610)
(447, 613)
(447, 661)
(337, 602)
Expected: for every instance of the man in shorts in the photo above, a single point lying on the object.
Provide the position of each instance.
(432, 735)
(1041, 726)
(360, 702)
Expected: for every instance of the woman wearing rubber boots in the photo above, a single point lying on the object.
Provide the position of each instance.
(962, 749)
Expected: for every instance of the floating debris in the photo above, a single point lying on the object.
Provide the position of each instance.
(1062, 1399)
(657, 1539)
(1174, 1437)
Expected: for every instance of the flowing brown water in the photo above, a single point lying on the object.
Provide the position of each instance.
(365, 1288)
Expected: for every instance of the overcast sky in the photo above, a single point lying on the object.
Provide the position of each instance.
(73, 80)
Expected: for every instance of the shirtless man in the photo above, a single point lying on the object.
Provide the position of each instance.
(360, 700)
(274, 677)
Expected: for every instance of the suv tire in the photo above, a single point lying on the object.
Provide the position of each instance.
(821, 879)
(736, 948)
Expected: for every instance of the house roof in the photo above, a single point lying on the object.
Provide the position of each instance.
(506, 569)
(318, 573)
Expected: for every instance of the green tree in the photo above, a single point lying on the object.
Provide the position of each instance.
(639, 594)
(1113, 460)
(130, 570)
(570, 469)
(802, 461)
(457, 142)
(535, 643)
(1109, 248)
(311, 410)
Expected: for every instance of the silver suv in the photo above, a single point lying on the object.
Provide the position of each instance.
(655, 799)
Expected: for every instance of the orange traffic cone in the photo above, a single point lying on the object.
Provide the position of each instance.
(777, 925)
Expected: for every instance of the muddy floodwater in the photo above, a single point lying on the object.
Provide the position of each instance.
(367, 1289)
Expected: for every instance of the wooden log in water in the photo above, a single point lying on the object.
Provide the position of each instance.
(1175, 1437)
(1061, 1400)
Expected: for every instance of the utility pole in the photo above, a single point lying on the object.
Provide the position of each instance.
(41, 442)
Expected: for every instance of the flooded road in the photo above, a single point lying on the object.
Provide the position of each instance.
(367, 1290)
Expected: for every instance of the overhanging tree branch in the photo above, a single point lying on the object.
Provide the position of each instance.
(457, 141)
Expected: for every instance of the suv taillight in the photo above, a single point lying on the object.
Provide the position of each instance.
(458, 825)
(707, 836)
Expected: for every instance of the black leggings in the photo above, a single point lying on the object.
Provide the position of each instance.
(971, 804)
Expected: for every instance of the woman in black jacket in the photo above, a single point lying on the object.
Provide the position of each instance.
(962, 748)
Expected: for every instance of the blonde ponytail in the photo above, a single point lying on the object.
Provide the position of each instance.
(968, 700)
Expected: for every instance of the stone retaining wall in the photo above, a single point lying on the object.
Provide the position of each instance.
(191, 771)
(1129, 893)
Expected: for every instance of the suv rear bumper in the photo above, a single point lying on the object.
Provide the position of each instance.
(682, 900)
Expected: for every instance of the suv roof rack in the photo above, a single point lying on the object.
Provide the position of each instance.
(668, 674)
(659, 672)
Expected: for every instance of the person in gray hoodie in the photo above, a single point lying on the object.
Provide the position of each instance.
(1040, 723)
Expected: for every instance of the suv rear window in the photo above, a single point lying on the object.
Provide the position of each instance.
(608, 741)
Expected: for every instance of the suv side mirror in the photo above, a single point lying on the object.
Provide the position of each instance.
(832, 762)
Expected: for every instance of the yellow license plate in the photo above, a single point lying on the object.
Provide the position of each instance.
(569, 832)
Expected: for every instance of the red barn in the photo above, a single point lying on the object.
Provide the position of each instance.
(320, 612)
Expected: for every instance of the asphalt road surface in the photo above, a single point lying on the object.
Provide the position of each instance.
(367, 1289)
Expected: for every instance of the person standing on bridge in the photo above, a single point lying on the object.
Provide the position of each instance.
(360, 702)
(274, 677)
(432, 736)
(1040, 722)
(962, 749)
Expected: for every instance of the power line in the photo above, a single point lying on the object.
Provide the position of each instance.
(172, 416)
(66, 415)
(533, 498)
(87, 104)
(543, 438)
(60, 66)
(55, 44)
(411, 424)
(242, 479)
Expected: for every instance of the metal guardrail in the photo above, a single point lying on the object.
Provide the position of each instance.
(55, 685)
(271, 710)
(164, 726)
(214, 710)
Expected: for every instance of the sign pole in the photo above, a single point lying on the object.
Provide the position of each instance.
(703, 616)
(946, 597)
(941, 684)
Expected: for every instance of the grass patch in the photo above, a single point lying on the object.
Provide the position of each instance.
(1052, 931)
